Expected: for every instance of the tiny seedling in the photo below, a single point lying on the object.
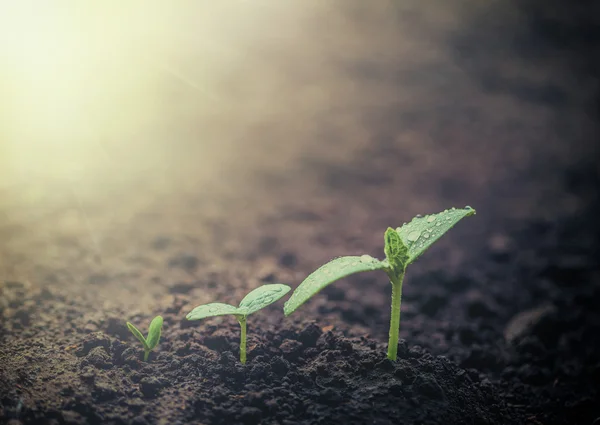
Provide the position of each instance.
(402, 247)
(153, 335)
(254, 301)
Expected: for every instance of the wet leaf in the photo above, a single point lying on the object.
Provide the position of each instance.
(154, 332)
(262, 297)
(137, 334)
(422, 232)
(210, 310)
(329, 273)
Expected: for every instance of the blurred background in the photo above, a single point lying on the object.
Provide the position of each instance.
(124, 122)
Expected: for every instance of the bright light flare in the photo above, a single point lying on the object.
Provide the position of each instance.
(98, 89)
(63, 73)
(82, 83)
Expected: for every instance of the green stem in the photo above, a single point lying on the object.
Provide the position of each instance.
(396, 280)
(243, 340)
(146, 354)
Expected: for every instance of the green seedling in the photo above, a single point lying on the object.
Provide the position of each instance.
(254, 301)
(402, 247)
(153, 335)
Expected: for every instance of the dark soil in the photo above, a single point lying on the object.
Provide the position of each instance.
(493, 106)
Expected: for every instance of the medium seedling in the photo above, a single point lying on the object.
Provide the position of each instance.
(254, 301)
(151, 341)
(402, 247)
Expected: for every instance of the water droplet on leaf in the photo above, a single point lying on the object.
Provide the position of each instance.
(414, 235)
(366, 258)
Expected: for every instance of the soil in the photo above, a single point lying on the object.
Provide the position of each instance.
(490, 105)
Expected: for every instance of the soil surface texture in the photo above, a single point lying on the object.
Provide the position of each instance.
(335, 123)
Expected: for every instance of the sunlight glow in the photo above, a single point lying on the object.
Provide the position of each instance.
(63, 72)
(84, 84)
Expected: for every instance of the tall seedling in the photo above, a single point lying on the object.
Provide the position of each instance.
(402, 247)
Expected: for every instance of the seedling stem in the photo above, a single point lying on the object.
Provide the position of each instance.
(396, 280)
(242, 321)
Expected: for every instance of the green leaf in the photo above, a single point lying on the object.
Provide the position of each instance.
(137, 334)
(262, 297)
(422, 232)
(210, 310)
(329, 273)
(154, 332)
(395, 250)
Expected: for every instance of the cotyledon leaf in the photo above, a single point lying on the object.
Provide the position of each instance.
(262, 297)
(210, 310)
(329, 273)
(137, 334)
(422, 232)
(154, 332)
